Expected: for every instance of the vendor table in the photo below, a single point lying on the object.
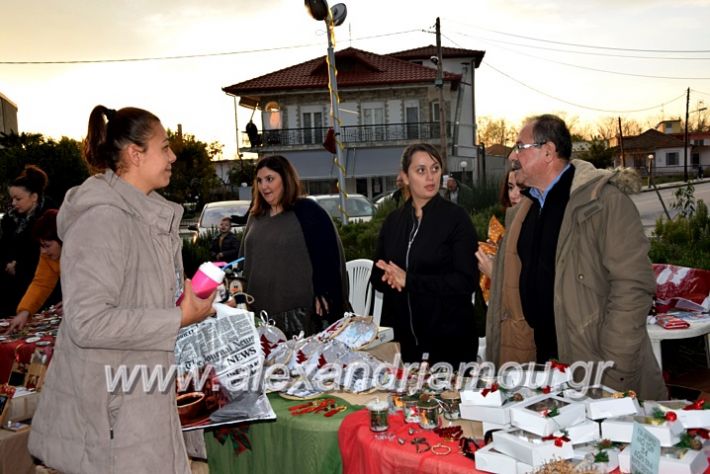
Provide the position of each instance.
(697, 328)
(363, 452)
(20, 349)
(310, 443)
(299, 444)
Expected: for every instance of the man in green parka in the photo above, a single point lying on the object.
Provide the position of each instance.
(573, 280)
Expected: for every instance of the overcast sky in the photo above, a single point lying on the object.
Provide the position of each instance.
(526, 44)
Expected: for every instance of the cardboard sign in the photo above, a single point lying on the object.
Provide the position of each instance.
(645, 451)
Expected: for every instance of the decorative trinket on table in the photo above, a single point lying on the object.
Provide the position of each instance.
(411, 409)
(379, 411)
(451, 401)
(428, 413)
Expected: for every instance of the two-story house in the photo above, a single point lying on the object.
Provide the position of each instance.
(663, 149)
(386, 102)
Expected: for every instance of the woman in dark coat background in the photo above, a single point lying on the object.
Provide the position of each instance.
(425, 266)
(19, 252)
(294, 263)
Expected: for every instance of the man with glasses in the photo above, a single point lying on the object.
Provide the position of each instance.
(573, 279)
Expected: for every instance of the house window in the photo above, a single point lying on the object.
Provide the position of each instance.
(412, 120)
(434, 125)
(373, 117)
(312, 128)
(695, 159)
(273, 115)
(672, 158)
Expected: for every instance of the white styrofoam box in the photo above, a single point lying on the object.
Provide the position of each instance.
(621, 429)
(688, 418)
(490, 460)
(585, 432)
(483, 396)
(530, 449)
(536, 376)
(673, 460)
(488, 426)
(589, 450)
(531, 416)
(601, 403)
(499, 415)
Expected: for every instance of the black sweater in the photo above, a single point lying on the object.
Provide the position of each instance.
(434, 312)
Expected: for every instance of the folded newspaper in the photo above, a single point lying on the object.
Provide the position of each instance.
(220, 371)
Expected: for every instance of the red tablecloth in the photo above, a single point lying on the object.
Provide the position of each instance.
(10, 349)
(363, 453)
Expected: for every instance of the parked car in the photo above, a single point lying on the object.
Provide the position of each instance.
(357, 206)
(213, 212)
(381, 198)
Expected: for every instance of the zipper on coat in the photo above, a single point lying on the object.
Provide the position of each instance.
(412, 235)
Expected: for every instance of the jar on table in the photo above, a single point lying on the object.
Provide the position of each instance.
(411, 409)
(428, 414)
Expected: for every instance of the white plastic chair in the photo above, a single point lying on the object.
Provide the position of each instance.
(377, 307)
(359, 271)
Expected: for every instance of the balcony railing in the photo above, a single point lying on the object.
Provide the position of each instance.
(349, 134)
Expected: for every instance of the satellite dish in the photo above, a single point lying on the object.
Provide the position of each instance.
(339, 13)
(318, 9)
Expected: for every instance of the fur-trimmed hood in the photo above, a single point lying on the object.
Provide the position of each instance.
(626, 180)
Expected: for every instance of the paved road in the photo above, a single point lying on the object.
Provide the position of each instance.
(650, 207)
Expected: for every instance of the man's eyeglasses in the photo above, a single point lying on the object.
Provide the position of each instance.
(518, 147)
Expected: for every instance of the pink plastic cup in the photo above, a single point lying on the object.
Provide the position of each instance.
(206, 279)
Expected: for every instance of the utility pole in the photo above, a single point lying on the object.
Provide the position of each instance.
(685, 147)
(621, 145)
(439, 82)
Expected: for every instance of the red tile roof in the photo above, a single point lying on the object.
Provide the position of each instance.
(426, 52)
(651, 139)
(498, 150)
(356, 68)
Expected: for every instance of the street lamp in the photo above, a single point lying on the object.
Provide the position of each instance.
(464, 164)
(649, 160)
(333, 17)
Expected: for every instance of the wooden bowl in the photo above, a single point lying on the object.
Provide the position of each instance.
(190, 406)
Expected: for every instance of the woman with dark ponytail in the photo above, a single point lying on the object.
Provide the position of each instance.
(19, 252)
(121, 276)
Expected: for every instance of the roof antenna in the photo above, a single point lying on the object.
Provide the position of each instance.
(350, 34)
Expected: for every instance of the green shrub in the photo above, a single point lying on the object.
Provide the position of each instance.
(196, 253)
(683, 241)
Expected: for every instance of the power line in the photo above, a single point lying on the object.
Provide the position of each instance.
(587, 53)
(581, 45)
(191, 56)
(589, 68)
(576, 104)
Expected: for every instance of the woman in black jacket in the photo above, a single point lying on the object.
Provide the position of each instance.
(19, 252)
(425, 266)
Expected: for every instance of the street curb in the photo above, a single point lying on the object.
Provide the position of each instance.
(673, 185)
